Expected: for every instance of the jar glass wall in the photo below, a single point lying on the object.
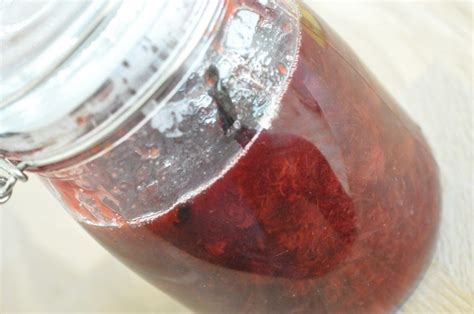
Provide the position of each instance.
(279, 177)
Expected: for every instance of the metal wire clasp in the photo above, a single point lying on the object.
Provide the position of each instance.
(9, 175)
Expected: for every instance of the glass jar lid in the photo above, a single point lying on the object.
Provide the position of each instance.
(58, 58)
(72, 72)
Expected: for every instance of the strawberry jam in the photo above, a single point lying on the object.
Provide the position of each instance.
(333, 208)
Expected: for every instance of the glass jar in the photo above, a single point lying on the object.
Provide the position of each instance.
(235, 153)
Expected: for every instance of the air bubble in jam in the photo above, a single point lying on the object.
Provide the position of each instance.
(328, 202)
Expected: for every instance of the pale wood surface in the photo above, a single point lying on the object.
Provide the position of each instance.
(421, 51)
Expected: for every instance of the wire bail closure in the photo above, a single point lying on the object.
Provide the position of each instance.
(11, 174)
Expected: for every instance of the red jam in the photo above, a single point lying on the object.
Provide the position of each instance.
(333, 209)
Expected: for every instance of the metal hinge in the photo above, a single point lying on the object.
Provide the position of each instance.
(10, 173)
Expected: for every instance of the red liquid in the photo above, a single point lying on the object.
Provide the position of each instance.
(335, 208)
